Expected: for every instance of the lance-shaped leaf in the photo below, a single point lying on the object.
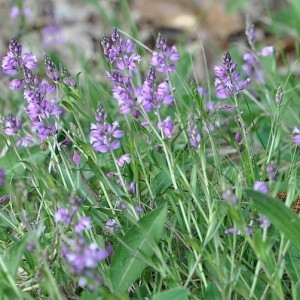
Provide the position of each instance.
(129, 259)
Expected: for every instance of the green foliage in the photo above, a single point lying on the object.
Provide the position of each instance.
(136, 248)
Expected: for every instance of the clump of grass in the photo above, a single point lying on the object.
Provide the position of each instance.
(156, 188)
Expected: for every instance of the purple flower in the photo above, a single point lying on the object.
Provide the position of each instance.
(266, 51)
(271, 170)
(122, 54)
(15, 12)
(62, 215)
(261, 187)
(234, 230)
(125, 158)
(167, 127)
(210, 107)
(112, 226)
(4, 198)
(296, 139)
(238, 137)
(164, 57)
(252, 67)
(228, 82)
(104, 136)
(29, 61)
(228, 195)
(51, 69)
(16, 84)
(76, 158)
(52, 35)
(25, 141)
(66, 75)
(263, 222)
(83, 260)
(12, 125)
(83, 223)
(2, 177)
(202, 91)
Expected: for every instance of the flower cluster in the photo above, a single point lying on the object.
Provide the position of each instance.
(228, 82)
(104, 136)
(124, 59)
(41, 104)
(82, 257)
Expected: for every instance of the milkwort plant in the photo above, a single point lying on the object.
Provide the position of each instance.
(154, 200)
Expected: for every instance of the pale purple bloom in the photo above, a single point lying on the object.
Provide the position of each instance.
(210, 107)
(112, 226)
(271, 170)
(16, 84)
(83, 223)
(266, 51)
(263, 222)
(15, 12)
(42, 130)
(164, 57)
(29, 60)
(228, 195)
(202, 91)
(227, 81)
(167, 127)
(124, 159)
(131, 188)
(51, 69)
(252, 67)
(234, 230)
(25, 141)
(76, 158)
(122, 54)
(52, 35)
(261, 187)
(62, 215)
(296, 139)
(12, 125)
(2, 177)
(104, 136)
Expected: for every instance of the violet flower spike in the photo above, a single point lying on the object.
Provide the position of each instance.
(167, 127)
(164, 57)
(104, 136)
(228, 82)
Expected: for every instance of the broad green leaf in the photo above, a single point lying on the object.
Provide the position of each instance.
(127, 262)
(160, 183)
(13, 256)
(285, 220)
(179, 293)
(292, 264)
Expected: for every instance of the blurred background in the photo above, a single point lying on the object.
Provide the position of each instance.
(205, 28)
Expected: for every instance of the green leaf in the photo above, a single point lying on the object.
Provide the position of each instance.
(180, 293)
(160, 183)
(127, 262)
(292, 264)
(285, 220)
(13, 256)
